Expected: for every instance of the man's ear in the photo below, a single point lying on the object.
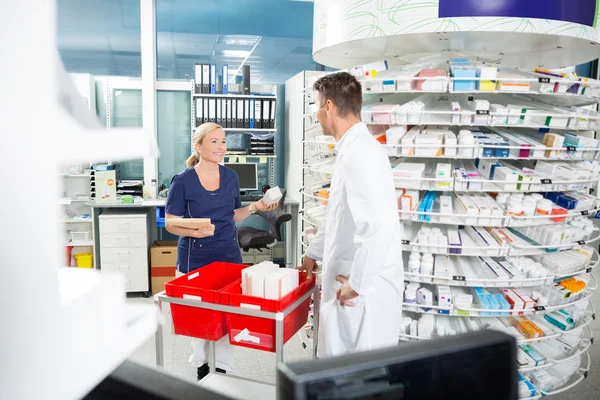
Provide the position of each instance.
(329, 107)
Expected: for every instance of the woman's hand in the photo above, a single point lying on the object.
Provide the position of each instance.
(205, 231)
(261, 206)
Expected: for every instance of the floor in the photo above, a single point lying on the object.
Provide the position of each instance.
(260, 366)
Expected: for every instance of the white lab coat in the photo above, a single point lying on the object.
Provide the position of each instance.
(360, 239)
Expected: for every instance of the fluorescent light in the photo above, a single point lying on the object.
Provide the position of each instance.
(236, 53)
(245, 59)
(238, 40)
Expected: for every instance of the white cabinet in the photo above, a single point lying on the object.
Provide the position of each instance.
(124, 244)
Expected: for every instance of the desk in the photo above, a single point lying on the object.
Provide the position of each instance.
(290, 206)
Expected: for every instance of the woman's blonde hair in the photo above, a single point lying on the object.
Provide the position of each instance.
(198, 138)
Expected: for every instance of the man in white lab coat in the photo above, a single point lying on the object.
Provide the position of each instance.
(360, 240)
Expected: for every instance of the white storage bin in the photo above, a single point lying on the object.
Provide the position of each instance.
(80, 236)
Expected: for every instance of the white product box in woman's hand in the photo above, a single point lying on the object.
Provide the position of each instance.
(272, 196)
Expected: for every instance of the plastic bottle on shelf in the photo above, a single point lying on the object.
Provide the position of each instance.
(413, 327)
(544, 207)
(406, 325)
(436, 231)
(517, 196)
(536, 196)
(427, 267)
(414, 266)
(465, 138)
(410, 297)
(528, 206)
(442, 242)
(514, 207)
(422, 240)
(415, 256)
(502, 198)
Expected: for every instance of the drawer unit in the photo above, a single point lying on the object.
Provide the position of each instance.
(111, 255)
(124, 244)
(136, 266)
(122, 225)
(138, 239)
(136, 283)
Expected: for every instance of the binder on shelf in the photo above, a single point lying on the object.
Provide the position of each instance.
(272, 107)
(205, 113)
(212, 105)
(233, 113)
(257, 114)
(240, 114)
(266, 104)
(225, 71)
(230, 112)
(246, 114)
(197, 78)
(219, 119)
(223, 112)
(199, 111)
(213, 79)
(252, 108)
(205, 79)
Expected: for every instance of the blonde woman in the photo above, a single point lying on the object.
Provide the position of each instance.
(207, 189)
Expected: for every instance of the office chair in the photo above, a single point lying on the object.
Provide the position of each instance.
(251, 238)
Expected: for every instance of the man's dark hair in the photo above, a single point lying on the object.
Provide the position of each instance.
(343, 90)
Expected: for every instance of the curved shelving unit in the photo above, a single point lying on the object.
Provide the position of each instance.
(496, 283)
(434, 310)
(535, 103)
(524, 341)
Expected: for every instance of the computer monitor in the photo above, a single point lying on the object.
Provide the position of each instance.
(247, 172)
(480, 365)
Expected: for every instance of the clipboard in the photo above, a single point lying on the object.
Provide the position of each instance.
(192, 223)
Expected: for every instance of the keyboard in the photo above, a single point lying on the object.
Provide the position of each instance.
(252, 197)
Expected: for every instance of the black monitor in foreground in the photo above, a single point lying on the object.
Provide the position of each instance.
(480, 365)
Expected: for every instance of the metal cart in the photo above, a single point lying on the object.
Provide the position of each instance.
(228, 385)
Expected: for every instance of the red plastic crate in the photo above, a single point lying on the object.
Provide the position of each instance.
(205, 284)
(264, 328)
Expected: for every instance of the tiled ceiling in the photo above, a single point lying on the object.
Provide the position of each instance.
(274, 37)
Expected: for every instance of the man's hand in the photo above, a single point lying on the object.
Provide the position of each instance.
(309, 266)
(345, 294)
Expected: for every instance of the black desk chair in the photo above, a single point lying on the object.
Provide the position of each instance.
(251, 238)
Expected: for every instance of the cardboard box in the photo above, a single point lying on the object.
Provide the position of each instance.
(163, 263)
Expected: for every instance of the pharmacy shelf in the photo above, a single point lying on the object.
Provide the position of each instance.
(507, 283)
(473, 152)
(565, 99)
(583, 323)
(70, 221)
(469, 247)
(454, 311)
(236, 96)
(431, 183)
(585, 345)
(505, 220)
(580, 375)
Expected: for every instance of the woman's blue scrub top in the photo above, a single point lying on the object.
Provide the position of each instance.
(189, 199)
